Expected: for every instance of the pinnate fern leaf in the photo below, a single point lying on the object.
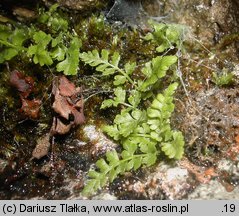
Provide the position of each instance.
(11, 42)
(69, 65)
(174, 148)
(125, 123)
(166, 36)
(143, 134)
(159, 114)
(38, 50)
(103, 63)
(161, 108)
(113, 166)
(119, 98)
(156, 70)
(110, 168)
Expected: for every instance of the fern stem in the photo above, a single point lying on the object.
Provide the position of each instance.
(121, 71)
(143, 135)
(128, 105)
(126, 75)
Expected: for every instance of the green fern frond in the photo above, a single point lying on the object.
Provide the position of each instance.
(38, 50)
(175, 147)
(119, 98)
(161, 108)
(11, 42)
(113, 166)
(128, 70)
(143, 133)
(70, 64)
(156, 70)
(159, 115)
(125, 123)
(53, 19)
(106, 64)
(102, 62)
(166, 36)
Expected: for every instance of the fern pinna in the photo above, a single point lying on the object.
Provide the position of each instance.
(142, 133)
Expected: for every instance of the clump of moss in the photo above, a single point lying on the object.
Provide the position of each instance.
(226, 78)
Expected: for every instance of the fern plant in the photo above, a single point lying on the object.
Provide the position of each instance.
(53, 19)
(11, 42)
(143, 133)
(155, 70)
(108, 66)
(166, 36)
(55, 45)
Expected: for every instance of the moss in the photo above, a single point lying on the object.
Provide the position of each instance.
(228, 40)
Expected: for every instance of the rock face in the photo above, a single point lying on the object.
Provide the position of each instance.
(129, 12)
(209, 19)
(213, 191)
(81, 5)
(77, 4)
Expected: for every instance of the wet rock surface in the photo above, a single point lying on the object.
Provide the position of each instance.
(81, 5)
(129, 12)
(211, 118)
(172, 181)
(210, 20)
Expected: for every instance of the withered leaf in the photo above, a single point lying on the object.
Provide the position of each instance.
(61, 106)
(30, 108)
(79, 117)
(21, 83)
(66, 87)
(58, 127)
(67, 104)
(42, 147)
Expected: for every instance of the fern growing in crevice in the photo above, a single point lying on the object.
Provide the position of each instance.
(166, 36)
(144, 133)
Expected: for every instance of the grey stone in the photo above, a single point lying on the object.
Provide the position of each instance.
(214, 190)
